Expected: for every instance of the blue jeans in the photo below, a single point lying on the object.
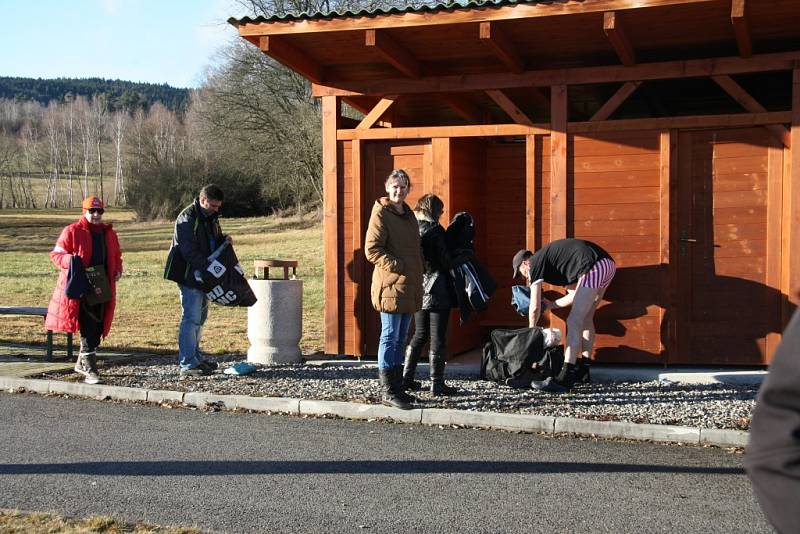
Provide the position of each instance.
(394, 329)
(195, 312)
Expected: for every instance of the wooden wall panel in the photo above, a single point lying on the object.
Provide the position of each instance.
(616, 186)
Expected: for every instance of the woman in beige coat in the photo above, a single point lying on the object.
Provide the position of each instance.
(392, 244)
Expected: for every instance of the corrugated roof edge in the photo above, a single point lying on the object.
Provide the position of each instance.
(291, 17)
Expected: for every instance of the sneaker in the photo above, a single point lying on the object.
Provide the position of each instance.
(208, 364)
(549, 385)
(196, 371)
(87, 366)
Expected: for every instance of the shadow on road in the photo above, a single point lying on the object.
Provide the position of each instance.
(218, 468)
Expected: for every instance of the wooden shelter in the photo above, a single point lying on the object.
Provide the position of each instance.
(660, 129)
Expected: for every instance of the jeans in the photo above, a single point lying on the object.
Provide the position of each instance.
(394, 329)
(430, 324)
(195, 312)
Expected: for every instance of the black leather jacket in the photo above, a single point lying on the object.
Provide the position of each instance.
(437, 284)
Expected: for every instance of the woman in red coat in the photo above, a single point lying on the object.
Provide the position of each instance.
(96, 245)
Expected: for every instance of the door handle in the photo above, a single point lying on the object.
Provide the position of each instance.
(688, 240)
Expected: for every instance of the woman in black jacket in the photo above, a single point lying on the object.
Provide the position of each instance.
(437, 300)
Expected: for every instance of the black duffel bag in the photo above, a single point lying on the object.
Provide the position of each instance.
(516, 357)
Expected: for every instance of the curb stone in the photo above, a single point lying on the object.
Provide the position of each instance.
(429, 416)
(723, 437)
(354, 410)
(158, 396)
(502, 421)
(621, 429)
(268, 404)
(29, 384)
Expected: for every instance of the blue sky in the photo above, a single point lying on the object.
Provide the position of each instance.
(156, 41)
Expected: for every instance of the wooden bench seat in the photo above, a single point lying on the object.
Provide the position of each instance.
(41, 312)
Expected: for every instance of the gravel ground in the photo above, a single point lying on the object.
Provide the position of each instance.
(706, 406)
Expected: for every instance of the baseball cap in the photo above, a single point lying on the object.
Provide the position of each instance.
(92, 202)
(519, 257)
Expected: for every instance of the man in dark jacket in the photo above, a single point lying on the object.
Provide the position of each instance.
(773, 452)
(197, 234)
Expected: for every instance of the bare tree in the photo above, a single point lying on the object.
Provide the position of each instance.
(119, 124)
(51, 128)
(97, 128)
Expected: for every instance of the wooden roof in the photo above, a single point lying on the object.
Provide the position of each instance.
(453, 55)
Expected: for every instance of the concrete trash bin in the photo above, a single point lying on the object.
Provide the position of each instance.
(275, 322)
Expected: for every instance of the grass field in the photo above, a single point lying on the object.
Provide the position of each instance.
(148, 307)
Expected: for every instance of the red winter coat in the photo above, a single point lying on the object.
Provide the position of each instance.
(76, 239)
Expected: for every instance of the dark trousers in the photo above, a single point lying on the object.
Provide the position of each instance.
(430, 325)
(90, 319)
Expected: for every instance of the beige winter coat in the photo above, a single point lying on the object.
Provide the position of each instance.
(392, 243)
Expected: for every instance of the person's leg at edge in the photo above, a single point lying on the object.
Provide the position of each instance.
(91, 329)
(194, 312)
(587, 341)
(391, 385)
(438, 352)
(422, 332)
(582, 307)
(397, 365)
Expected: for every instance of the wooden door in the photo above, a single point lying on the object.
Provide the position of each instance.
(379, 161)
(727, 302)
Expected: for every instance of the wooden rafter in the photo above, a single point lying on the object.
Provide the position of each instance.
(455, 16)
(615, 101)
(751, 104)
(379, 109)
(741, 27)
(394, 53)
(464, 106)
(504, 130)
(501, 45)
(691, 68)
(278, 49)
(511, 109)
(615, 31)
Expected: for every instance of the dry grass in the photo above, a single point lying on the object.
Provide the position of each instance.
(16, 522)
(148, 307)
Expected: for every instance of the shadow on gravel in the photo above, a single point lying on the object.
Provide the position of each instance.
(226, 468)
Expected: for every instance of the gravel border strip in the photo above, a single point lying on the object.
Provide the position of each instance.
(427, 416)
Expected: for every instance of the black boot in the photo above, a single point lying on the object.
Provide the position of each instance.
(438, 386)
(398, 384)
(410, 368)
(582, 375)
(558, 384)
(390, 388)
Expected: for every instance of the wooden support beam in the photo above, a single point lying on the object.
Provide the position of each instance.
(741, 27)
(558, 162)
(361, 285)
(791, 206)
(773, 263)
(330, 213)
(376, 112)
(278, 49)
(615, 101)
(510, 130)
(501, 45)
(664, 70)
(751, 104)
(394, 53)
(532, 237)
(615, 31)
(511, 109)
(465, 107)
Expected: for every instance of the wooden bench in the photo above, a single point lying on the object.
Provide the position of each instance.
(41, 312)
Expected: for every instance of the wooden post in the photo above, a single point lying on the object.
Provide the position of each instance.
(791, 203)
(775, 167)
(668, 237)
(361, 285)
(330, 175)
(532, 240)
(558, 162)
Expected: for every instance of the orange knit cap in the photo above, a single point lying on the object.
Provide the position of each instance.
(91, 202)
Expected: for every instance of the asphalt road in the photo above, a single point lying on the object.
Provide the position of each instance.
(236, 472)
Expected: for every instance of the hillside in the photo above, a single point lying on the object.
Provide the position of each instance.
(120, 94)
